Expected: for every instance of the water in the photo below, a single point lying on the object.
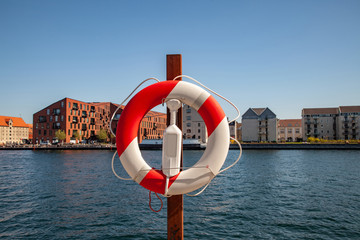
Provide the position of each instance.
(267, 195)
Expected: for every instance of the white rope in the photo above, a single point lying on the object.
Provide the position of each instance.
(113, 169)
(240, 153)
(238, 112)
(112, 118)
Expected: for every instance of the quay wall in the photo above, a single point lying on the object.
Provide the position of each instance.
(245, 146)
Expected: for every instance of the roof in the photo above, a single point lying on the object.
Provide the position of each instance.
(290, 123)
(313, 111)
(258, 111)
(17, 122)
(349, 109)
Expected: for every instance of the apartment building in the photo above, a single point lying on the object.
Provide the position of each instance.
(331, 123)
(290, 130)
(193, 125)
(80, 121)
(259, 125)
(319, 123)
(13, 130)
(348, 123)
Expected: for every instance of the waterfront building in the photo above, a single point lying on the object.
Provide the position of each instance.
(13, 130)
(319, 123)
(339, 123)
(239, 132)
(348, 123)
(289, 130)
(235, 130)
(259, 125)
(82, 121)
(30, 138)
(193, 125)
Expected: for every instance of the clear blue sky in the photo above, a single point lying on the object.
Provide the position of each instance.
(285, 55)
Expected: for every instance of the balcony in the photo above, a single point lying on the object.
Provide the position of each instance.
(92, 109)
(56, 126)
(84, 114)
(83, 127)
(75, 120)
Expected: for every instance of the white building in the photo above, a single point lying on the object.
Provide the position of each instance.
(331, 123)
(193, 125)
(259, 125)
(13, 130)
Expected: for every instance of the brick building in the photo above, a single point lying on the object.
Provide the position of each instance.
(83, 121)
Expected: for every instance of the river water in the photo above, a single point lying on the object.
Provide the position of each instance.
(275, 194)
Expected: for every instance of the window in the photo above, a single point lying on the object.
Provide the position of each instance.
(188, 110)
(188, 124)
(51, 118)
(199, 124)
(188, 117)
(56, 111)
(48, 111)
(56, 118)
(297, 130)
(198, 130)
(188, 130)
(62, 118)
(289, 130)
(62, 104)
(69, 107)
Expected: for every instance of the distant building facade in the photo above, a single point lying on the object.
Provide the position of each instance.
(82, 121)
(13, 130)
(289, 130)
(259, 125)
(193, 125)
(340, 123)
(348, 123)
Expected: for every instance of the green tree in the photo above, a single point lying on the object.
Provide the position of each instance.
(76, 135)
(60, 135)
(102, 135)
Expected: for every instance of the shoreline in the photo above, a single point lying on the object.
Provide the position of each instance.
(245, 146)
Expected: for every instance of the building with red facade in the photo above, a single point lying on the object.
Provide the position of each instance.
(82, 121)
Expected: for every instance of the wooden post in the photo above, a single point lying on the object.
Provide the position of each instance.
(175, 204)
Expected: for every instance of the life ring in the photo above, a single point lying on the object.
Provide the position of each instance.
(213, 157)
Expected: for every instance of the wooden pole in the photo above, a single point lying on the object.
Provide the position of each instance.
(175, 204)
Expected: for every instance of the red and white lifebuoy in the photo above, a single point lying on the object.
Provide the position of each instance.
(213, 157)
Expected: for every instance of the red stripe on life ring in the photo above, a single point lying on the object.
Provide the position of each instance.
(155, 181)
(135, 110)
(212, 114)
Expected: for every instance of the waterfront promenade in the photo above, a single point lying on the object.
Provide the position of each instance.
(250, 146)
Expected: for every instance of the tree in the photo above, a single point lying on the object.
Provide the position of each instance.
(76, 135)
(102, 135)
(60, 135)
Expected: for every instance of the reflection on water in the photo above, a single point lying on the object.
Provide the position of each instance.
(267, 195)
